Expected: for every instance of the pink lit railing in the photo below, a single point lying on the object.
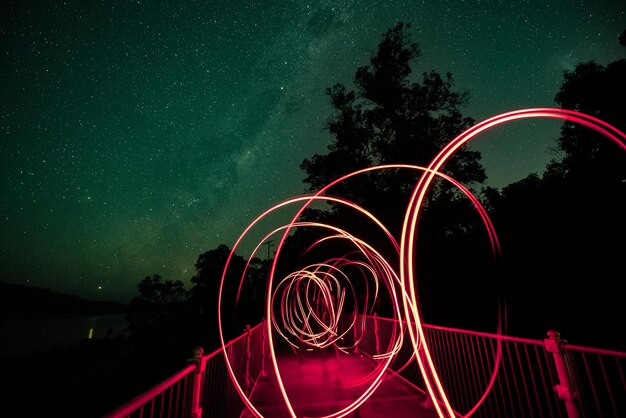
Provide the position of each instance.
(170, 398)
(204, 388)
(246, 354)
(600, 378)
(536, 378)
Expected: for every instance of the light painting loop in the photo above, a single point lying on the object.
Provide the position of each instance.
(311, 301)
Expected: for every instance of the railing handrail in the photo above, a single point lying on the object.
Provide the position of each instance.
(570, 380)
(594, 350)
(503, 337)
(231, 342)
(564, 389)
(142, 399)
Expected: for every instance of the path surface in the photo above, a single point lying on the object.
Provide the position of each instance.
(321, 383)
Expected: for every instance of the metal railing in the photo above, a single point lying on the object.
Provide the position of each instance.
(600, 380)
(170, 398)
(204, 388)
(246, 355)
(536, 378)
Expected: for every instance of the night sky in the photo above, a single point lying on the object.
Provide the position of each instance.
(137, 135)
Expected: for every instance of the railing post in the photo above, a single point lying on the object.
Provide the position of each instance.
(565, 389)
(248, 355)
(376, 333)
(356, 336)
(196, 401)
(263, 373)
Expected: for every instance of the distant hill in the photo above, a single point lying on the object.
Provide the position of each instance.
(25, 301)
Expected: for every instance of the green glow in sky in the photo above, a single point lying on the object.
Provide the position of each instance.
(136, 135)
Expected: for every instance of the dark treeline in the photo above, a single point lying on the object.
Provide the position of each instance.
(561, 234)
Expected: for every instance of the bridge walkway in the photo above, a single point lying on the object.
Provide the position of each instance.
(322, 382)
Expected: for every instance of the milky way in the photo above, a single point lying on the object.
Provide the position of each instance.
(136, 135)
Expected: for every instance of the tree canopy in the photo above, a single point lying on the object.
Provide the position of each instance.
(562, 231)
(204, 294)
(393, 116)
(157, 305)
(588, 158)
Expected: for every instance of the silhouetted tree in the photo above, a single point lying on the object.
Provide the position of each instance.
(597, 90)
(206, 281)
(156, 291)
(158, 304)
(204, 294)
(255, 289)
(393, 117)
(560, 231)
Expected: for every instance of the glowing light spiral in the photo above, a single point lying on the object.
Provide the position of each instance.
(311, 301)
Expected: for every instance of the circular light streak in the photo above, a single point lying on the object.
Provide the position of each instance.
(311, 300)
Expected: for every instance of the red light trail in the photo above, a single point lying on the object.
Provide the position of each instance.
(311, 301)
